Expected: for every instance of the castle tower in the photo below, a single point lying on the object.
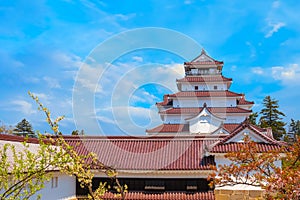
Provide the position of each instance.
(204, 104)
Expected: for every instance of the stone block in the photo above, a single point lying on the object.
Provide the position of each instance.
(222, 197)
(226, 192)
(255, 193)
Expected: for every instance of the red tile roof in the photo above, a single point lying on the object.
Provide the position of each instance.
(178, 128)
(225, 93)
(146, 153)
(230, 127)
(16, 138)
(212, 110)
(162, 196)
(235, 147)
(169, 128)
(243, 101)
(204, 79)
(166, 101)
(205, 63)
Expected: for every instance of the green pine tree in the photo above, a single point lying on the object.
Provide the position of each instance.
(294, 129)
(252, 118)
(24, 128)
(271, 117)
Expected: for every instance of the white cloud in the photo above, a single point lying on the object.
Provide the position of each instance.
(131, 120)
(274, 28)
(120, 83)
(257, 70)
(137, 58)
(88, 78)
(124, 17)
(105, 119)
(23, 106)
(288, 75)
(66, 60)
(44, 98)
(51, 82)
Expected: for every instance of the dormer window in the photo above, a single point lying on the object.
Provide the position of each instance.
(196, 87)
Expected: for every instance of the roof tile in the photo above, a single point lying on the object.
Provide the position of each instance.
(164, 153)
(235, 147)
(212, 110)
(225, 93)
(204, 79)
(162, 196)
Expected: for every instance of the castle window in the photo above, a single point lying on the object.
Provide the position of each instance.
(54, 182)
(154, 185)
(196, 87)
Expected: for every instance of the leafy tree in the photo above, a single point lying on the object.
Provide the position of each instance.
(77, 132)
(294, 129)
(252, 167)
(271, 117)
(4, 129)
(252, 118)
(24, 170)
(24, 128)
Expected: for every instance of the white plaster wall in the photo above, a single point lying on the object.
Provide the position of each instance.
(204, 125)
(201, 87)
(65, 189)
(234, 119)
(221, 160)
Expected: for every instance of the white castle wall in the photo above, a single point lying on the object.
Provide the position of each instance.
(203, 86)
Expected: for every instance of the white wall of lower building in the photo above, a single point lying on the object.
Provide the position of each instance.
(63, 188)
(221, 160)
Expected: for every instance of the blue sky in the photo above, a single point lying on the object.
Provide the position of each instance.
(46, 44)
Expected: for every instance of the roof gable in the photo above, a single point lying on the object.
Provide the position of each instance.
(205, 113)
(239, 137)
(203, 57)
(205, 122)
(255, 133)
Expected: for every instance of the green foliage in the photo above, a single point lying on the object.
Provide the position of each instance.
(294, 129)
(80, 166)
(24, 128)
(252, 118)
(25, 167)
(4, 129)
(77, 132)
(271, 117)
(252, 167)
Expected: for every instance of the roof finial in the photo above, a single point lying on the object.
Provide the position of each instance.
(203, 51)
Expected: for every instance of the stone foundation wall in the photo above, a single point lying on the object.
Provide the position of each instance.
(238, 194)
